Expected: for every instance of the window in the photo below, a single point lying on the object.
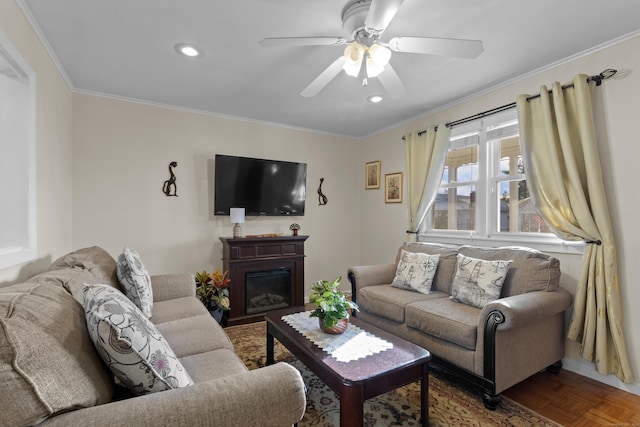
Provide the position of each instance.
(483, 194)
(17, 158)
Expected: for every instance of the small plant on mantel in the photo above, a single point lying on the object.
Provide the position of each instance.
(331, 304)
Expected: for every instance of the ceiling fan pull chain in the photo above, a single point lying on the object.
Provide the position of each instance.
(364, 82)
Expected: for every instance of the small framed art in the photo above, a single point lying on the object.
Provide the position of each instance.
(372, 175)
(393, 187)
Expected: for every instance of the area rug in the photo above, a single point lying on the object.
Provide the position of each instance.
(452, 402)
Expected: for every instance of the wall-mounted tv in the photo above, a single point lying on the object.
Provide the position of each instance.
(260, 186)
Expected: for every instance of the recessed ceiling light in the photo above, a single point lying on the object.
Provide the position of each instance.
(187, 50)
(375, 99)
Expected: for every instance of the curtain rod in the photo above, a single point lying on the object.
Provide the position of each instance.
(598, 78)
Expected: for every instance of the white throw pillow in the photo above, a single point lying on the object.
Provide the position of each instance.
(478, 282)
(135, 280)
(415, 271)
(130, 345)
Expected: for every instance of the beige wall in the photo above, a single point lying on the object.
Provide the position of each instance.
(620, 151)
(121, 152)
(53, 146)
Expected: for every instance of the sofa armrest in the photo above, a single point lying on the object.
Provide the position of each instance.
(371, 275)
(520, 310)
(269, 396)
(171, 286)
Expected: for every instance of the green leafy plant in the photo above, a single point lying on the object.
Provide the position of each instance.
(213, 289)
(331, 304)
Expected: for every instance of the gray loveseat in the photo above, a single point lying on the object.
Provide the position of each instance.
(52, 375)
(496, 346)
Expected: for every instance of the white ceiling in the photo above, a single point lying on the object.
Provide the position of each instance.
(125, 48)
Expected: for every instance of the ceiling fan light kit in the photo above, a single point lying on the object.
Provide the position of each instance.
(365, 21)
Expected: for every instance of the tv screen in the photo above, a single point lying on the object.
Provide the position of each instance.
(260, 186)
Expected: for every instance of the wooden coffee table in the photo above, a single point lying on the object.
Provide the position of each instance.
(360, 379)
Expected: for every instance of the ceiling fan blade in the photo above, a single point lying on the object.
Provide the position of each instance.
(324, 78)
(302, 41)
(380, 14)
(436, 46)
(391, 82)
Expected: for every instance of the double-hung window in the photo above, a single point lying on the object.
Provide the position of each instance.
(483, 193)
(17, 158)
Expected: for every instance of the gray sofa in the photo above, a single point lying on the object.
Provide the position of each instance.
(496, 346)
(52, 375)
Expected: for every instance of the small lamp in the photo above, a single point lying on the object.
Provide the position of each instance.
(236, 215)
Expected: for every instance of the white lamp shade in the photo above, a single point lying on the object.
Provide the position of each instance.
(377, 57)
(236, 215)
(379, 54)
(353, 55)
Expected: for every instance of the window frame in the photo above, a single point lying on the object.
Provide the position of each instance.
(487, 131)
(24, 248)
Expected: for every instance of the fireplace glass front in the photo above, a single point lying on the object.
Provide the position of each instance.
(267, 290)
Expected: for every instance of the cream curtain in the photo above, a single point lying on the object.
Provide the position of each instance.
(564, 176)
(426, 154)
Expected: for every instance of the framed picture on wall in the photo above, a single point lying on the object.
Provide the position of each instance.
(393, 187)
(372, 175)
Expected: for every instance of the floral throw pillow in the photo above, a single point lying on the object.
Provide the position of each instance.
(137, 354)
(478, 282)
(135, 280)
(415, 271)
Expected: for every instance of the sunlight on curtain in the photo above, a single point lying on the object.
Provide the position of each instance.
(426, 154)
(559, 147)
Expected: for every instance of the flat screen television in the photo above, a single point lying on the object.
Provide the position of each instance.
(260, 186)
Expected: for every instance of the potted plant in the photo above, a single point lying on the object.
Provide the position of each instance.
(332, 306)
(213, 290)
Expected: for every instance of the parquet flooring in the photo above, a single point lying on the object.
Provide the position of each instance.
(573, 400)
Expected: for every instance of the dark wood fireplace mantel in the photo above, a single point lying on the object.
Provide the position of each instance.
(250, 254)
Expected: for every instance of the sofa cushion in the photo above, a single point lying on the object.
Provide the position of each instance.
(137, 354)
(176, 309)
(212, 365)
(478, 282)
(446, 262)
(194, 335)
(446, 319)
(531, 270)
(415, 272)
(389, 302)
(73, 270)
(48, 364)
(94, 259)
(135, 280)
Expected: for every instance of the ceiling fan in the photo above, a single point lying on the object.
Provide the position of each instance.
(365, 54)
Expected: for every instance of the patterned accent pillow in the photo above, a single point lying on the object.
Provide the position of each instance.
(135, 280)
(130, 345)
(478, 282)
(415, 271)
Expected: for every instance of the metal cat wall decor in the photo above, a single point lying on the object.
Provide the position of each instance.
(322, 199)
(169, 188)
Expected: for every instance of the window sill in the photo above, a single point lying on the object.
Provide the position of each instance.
(11, 257)
(543, 244)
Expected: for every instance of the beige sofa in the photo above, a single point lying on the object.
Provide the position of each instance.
(496, 346)
(52, 375)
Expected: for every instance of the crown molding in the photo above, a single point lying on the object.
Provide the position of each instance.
(45, 43)
(510, 81)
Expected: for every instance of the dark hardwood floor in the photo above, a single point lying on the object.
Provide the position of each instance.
(573, 400)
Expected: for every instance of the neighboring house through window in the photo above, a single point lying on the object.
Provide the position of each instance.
(483, 192)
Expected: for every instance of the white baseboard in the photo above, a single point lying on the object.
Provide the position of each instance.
(587, 369)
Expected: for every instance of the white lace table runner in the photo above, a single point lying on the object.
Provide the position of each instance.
(352, 344)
